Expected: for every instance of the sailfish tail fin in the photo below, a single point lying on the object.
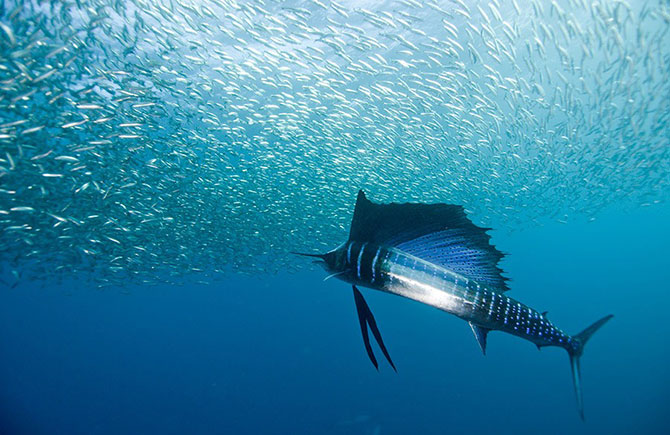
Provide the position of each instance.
(575, 350)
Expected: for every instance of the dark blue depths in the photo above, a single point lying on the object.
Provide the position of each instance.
(283, 355)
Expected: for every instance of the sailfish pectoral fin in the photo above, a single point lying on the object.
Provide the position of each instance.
(367, 319)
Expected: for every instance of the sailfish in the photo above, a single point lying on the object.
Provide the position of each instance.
(434, 254)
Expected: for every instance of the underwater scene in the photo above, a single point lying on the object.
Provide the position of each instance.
(334, 217)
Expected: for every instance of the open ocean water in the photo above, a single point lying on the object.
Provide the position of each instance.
(160, 161)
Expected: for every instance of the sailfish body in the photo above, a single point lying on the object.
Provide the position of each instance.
(395, 271)
(433, 254)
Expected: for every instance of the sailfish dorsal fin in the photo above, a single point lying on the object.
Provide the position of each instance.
(438, 233)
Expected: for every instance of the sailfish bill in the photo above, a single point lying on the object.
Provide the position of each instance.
(434, 254)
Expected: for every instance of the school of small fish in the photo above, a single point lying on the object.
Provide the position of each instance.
(152, 141)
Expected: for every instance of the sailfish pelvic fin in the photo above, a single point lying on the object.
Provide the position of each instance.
(366, 319)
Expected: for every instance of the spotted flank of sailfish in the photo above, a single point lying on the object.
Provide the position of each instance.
(433, 254)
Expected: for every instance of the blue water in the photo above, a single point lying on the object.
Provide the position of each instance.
(283, 354)
(144, 142)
